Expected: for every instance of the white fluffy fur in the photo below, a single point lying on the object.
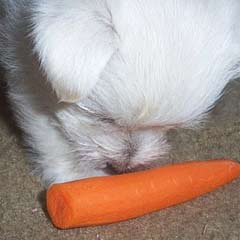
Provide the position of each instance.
(97, 83)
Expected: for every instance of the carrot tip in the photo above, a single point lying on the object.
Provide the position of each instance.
(60, 211)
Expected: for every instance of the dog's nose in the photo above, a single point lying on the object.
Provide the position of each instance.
(118, 166)
(123, 162)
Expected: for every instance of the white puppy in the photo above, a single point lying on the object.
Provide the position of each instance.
(95, 84)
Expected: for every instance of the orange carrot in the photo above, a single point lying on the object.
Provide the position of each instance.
(103, 200)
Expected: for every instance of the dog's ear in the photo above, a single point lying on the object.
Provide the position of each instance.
(74, 41)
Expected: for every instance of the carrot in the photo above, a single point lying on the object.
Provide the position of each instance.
(103, 200)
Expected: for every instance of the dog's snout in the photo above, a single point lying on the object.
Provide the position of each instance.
(118, 166)
(123, 162)
(137, 151)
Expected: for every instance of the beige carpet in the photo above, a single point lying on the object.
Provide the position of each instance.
(214, 216)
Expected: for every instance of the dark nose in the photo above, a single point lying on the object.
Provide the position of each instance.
(118, 166)
(123, 163)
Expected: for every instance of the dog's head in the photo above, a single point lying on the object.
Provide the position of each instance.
(134, 69)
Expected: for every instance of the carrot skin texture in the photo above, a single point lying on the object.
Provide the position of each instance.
(103, 200)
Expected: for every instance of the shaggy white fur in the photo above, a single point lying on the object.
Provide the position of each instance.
(97, 83)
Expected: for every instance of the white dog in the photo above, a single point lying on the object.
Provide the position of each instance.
(95, 84)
